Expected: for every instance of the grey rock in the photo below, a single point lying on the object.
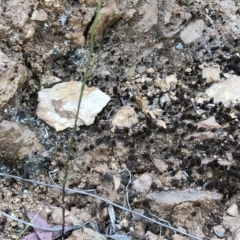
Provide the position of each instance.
(125, 117)
(225, 91)
(192, 32)
(233, 210)
(141, 69)
(162, 202)
(219, 231)
(209, 123)
(149, 11)
(143, 183)
(200, 136)
(39, 15)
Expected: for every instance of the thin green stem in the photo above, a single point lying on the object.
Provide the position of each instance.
(71, 141)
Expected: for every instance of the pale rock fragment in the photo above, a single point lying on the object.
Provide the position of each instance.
(160, 165)
(141, 69)
(161, 123)
(142, 103)
(86, 234)
(164, 202)
(39, 15)
(30, 31)
(56, 214)
(49, 79)
(209, 123)
(105, 73)
(131, 71)
(117, 182)
(151, 236)
(149, 19)
(58, 105)
(124, 223)
(233, 210)
(76, 38)
(110, 14)
(192, 32)
(226, 91)
(143, 183)
(17, 11)
(211, 74)
(165, 99)
(166, 83)
(129, 14)
(150, 70)
(200, 136)
(13, 76)
(125, 117)
(231, 223)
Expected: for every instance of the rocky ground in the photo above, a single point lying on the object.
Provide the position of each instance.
(165, 136)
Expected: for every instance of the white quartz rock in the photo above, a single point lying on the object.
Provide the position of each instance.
(58, 105)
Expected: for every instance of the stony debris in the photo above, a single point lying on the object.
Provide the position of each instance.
(78, 24)
(232, 224)
(12, 75)
(233, 210)
(192, 32)
(17, 141)
(47, 80)
(163, 202)
(226, 91)
(161, 123)
(149, 19)
(143, 183)
(152, 236)
(125, 117)
(220, 231)
(110, 14)
(141, 69)
(160, 165)
(142, 103)
(39, 15)
(58, 105)
(209, 123)
(167, 83)
(211, 74)
(85, 234)
(18, 12)
(56, 214)
(200, 136)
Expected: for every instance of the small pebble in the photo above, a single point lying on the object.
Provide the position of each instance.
(233, 210)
